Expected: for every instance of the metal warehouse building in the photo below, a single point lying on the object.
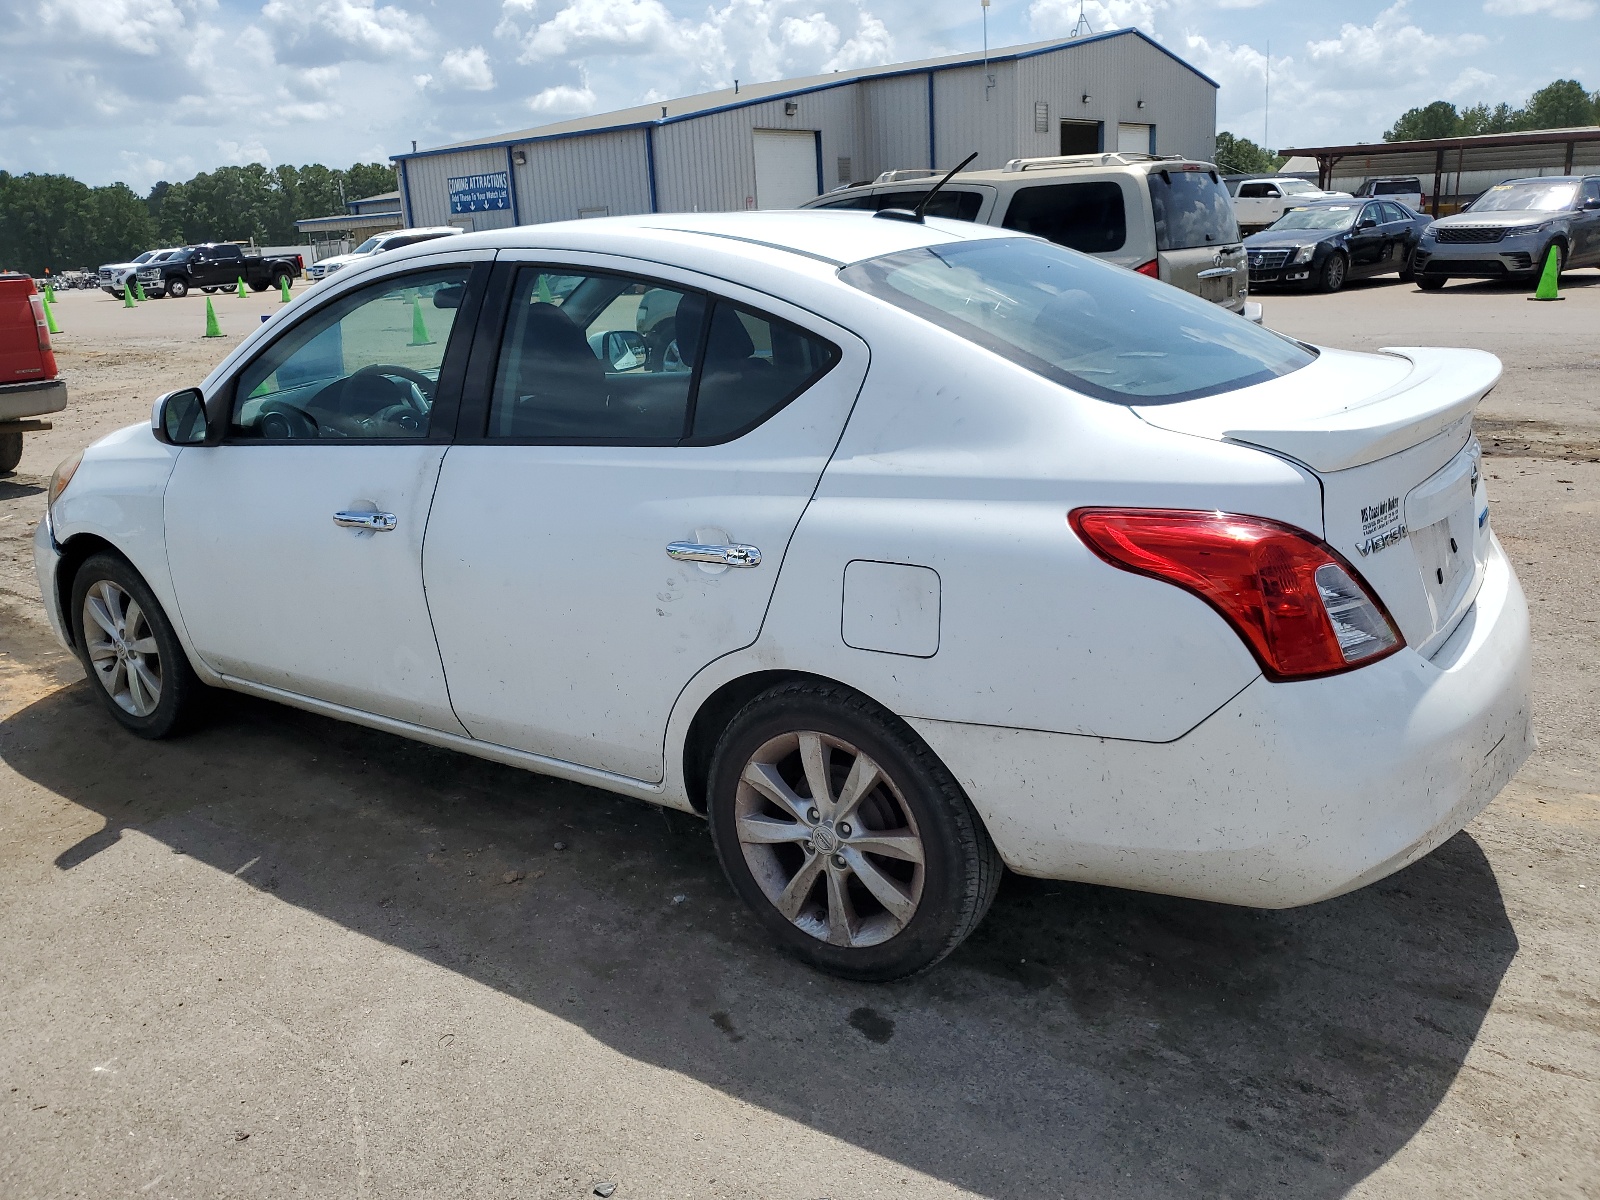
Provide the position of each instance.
(776, 145)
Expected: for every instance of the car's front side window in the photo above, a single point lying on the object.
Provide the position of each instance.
(364, 366)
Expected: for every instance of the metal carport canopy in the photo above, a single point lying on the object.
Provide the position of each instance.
(1572, 148)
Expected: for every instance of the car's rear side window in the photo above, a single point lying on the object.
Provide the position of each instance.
(1096, 328)
(1192, 208)
(951, 203)
(1090, 216)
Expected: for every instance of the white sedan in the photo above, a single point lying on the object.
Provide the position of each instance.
(901, 551)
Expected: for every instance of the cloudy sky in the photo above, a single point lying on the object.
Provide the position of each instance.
(140, 90)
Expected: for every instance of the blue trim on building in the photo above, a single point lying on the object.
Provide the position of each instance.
(525, 139)
(933, 142)
(1153, 139)
(821, 187)
(1100, 135)
(650, 164)
(511, 175)
(405, 193)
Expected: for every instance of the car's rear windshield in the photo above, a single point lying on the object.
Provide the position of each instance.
(1339, 216)
(1521, 197)
(1099, 329)
(1192, 208)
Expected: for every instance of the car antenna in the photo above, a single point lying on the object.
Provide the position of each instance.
(915, 214)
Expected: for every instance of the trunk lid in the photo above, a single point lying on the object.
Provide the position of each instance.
(1389, 438)
(23, 358)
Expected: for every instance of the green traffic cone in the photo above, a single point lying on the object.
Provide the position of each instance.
(127, 297)
(419, 330)
(49, 314)
(544, 290)
(212, 328)
(241, 287)
(49, 292)
(138, 289)
(1551, 278)
(284, 297)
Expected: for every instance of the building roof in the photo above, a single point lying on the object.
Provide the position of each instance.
(342, 224)
(671, 111)
(1480, 141)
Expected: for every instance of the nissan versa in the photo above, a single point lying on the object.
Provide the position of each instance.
(904, 551)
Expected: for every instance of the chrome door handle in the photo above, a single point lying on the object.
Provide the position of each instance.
(724, 556)
(1217, 272)
(378, 522)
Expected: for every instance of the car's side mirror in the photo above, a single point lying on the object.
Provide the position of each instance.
(449, 297)
(1593, 202)
(1367, 223)
(624, 349)
(179, 418)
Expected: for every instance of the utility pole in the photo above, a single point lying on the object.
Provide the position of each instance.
(1266, 110)
(988, 79)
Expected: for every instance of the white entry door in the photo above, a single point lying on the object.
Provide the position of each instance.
(296, 545)
(566, 627)
(1134, 138)
(786, 167)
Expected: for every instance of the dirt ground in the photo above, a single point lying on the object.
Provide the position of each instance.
(279, 957)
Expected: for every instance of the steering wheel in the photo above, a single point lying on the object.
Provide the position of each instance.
(424, 384)
(279, 421)
(400, 416)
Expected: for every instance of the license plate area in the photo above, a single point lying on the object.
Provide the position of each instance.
(1445, 534)
(1218, 291)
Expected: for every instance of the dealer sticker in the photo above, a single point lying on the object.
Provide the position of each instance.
(1381, 526)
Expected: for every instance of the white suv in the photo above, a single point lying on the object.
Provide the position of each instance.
(377, 244)
(1169, 218)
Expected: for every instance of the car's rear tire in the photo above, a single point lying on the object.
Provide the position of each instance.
(10, 452)
(281, 279)
(1334, 272)
(878, 879)
(177, 288)
(1430, 283)
(135, 662)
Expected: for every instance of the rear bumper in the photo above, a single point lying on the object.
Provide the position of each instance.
(1289, 794)
(32, 399)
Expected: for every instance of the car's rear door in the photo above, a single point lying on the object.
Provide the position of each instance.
(295, 545)
(566, 627)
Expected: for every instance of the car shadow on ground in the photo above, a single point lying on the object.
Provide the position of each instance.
(1085, 1040)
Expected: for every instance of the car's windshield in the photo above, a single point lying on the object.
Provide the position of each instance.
(1296, 187)
(368, 246)
(1096, 328)
(1525, 197)
(1191, 208)
(1331, 218)
(145, 257)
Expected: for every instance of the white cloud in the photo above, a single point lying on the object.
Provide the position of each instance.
(563, 101)
(870, 45)
(137, 26)
(1057, 18)
(1566, 10)
(467, 69)
(1390, 50)
(334, 29)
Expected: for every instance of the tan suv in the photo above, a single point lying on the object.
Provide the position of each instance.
(1169, 218)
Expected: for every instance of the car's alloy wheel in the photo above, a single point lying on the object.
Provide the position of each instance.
(846, 836)
(177, 288)
(122, 648)
(1333, 272)
(129, 647)
(829, 839)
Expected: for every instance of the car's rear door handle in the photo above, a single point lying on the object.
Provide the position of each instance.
(1218, 272)
(378, 522)
(725, 556)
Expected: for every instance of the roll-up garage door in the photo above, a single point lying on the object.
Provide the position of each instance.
(1135, 138)
(786, 167)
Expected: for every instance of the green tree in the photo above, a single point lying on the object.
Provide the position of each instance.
(1559, 105)
(1241, 156)
(1436, 120)
(369, 179)
(1480, 118)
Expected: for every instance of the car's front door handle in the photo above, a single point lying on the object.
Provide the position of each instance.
(723, 556)
(378, 522)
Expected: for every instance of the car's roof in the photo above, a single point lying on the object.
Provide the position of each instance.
(819, 235)
(441, 230)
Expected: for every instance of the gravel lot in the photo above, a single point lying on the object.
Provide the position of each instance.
(281, 956)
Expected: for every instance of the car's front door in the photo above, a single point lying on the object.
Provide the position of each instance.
(296, 544)
(1586, 226)
(617, 423)
(1367, 241)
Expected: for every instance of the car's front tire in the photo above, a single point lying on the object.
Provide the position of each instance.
(1430, 283)
(125, 641)
(177, 288)
(845, 835)
(1334, 272)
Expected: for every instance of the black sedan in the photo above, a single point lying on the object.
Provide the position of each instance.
(1324, 244)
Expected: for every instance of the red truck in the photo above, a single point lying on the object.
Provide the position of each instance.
(28, 385)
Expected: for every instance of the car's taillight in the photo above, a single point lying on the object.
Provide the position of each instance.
(36, 303)
(1301, 609)
(1151, 268)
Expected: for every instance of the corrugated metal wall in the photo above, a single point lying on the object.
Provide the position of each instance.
(429, 177)
(572, 177)
(707, 163)
(1116, 74)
